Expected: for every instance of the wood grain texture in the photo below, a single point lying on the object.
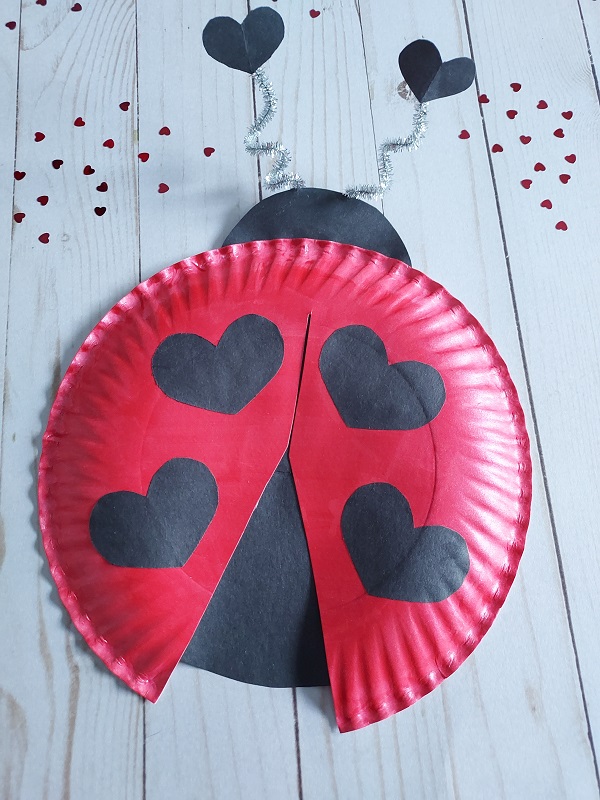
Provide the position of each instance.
(68, 729)
(511, 723)
(555, 275)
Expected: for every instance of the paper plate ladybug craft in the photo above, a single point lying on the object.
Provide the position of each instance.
(294, 460)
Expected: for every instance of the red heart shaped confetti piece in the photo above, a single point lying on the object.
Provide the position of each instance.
(19, 216)
(76, 7)
(143, 157)
(208, 151)
(567, 114)
(11, 25)
(88, 170)
(99, 210)
(102, 187)
(525, 139)
(314, 14)
(516, 87)
(464, 135)
(546, 204)
(108, 143)
(539, 167)
(542, 104)
(42, 199)
(19, 175)
(162, 188)
(559, 133)
(511, 113)
(497, 148)
(564, 178)
(483, 98)
(571, 159)
(124, 106)
(45, 237)
(57, 163)
(79, 122)
(40, 3)
(164, 131)
(561, 226)
(526, 184)
(38, 136)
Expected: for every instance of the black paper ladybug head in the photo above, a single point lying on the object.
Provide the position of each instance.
(321, 213)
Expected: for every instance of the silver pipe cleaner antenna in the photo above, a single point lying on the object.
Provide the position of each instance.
(384, 161)
(277, 178)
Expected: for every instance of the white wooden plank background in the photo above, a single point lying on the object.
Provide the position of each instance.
(521, 718)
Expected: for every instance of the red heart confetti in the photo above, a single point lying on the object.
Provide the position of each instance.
(564, 178)
(526, 184)
(11, 25)
(511, 114)
(45, 237)
(546, 204)
(516, 87)
(100, 210)
(561, 226)
(539, 167)
(76, 7)
(19, 216)
(40, 3)
(314, 14)
(542, 104)
(497, 148)
(143, 157)
(79, 122)
(57, 163)
(102, 187)
(208, 151)
(464, 135)
(162, 188)
(42, 199)
(525, 139)
(571, 159)
(19, 175)
(108, 143)
(567, 114)
(124, 106)
(164, 131)
(559, 133)
(38, 136)
(483, 98)
(88, 170)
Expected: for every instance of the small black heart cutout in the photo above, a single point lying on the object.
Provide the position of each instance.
(428, 77)
(247, 46)
(163, 528)
(394, 559)
(225, 377)
(371, 393)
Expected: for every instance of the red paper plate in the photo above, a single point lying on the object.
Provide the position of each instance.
(111, 429)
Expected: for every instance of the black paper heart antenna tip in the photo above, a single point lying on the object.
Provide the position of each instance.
(245, 46)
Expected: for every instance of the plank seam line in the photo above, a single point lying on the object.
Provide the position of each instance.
(589, 49)
(258, 169)
(297, 742)
(539, 448)
(137, 144)
(12, 237)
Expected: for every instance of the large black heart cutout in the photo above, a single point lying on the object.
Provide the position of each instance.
(394, 559)
(162, 528)
(247, 46)
(428, 77)
(225, 377)
(369, 392)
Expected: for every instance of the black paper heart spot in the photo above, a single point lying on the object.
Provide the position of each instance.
(428, 77)
(247, 46)
(394, 559)
(162, 528)
(371, 393)
(225, 377)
